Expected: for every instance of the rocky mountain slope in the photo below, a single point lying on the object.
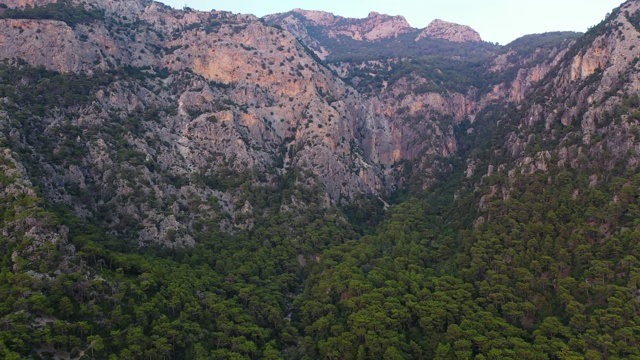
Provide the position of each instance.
(373, 28)
(206, 102)
(581, 115)
(191, 184)
(206, 96)
(439, 29)
(212, 108)
(330, 36)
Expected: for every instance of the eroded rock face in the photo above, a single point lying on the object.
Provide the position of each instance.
(282, 98)
(586, 100)
(245, 100)
(530, 72)
(440, 29)
(214, 96)
(266, 68)
(604, 64)
(375, 26)
(34, 39)
(320, 18)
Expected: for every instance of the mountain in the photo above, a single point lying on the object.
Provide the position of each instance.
(189, 184)
(440, 29)
(205, 102)
(334, 38)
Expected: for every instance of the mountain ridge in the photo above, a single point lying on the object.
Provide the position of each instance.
(445, 30)
(187, 184)
(317, 29)
(234, 74)
(356, 133)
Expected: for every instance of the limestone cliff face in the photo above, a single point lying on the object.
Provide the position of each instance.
(440, 29)
(590, 77)
(224, 96)
(375, 26)
(585, 100)
(410, 124)
(191, 111)
(266, 67)
(331, 36)
(380, 26)
(244, 98)
(529, 70)
(298, 28)
(26, 39)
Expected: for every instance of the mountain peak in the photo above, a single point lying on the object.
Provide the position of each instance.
(440, 29)
(377, 15)
(322, 18)
(375, 26)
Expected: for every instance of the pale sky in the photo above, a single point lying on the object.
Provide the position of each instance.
(496, 20)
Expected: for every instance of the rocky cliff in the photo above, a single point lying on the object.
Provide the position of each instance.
(187, 184)
(183, 107)
(377, 36)
(581, 116)
(169, 118)
(375, 26)
(212, 94)
(440, 29)
(590, 94)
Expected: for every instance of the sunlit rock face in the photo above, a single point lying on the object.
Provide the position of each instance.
(440, 29)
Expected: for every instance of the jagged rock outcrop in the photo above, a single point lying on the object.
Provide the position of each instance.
(582, 111)
(298, 28)
(188, 111)
(591, 77)
(381, 26)
(377, 36)
(22, 38)
(530, 69)
(375, 26)
(440, 29)
(221, 94)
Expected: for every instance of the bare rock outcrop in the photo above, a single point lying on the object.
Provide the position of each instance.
(374, 27)
(586, 98)
(440, 29)
(244, 98)
(206, 102)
